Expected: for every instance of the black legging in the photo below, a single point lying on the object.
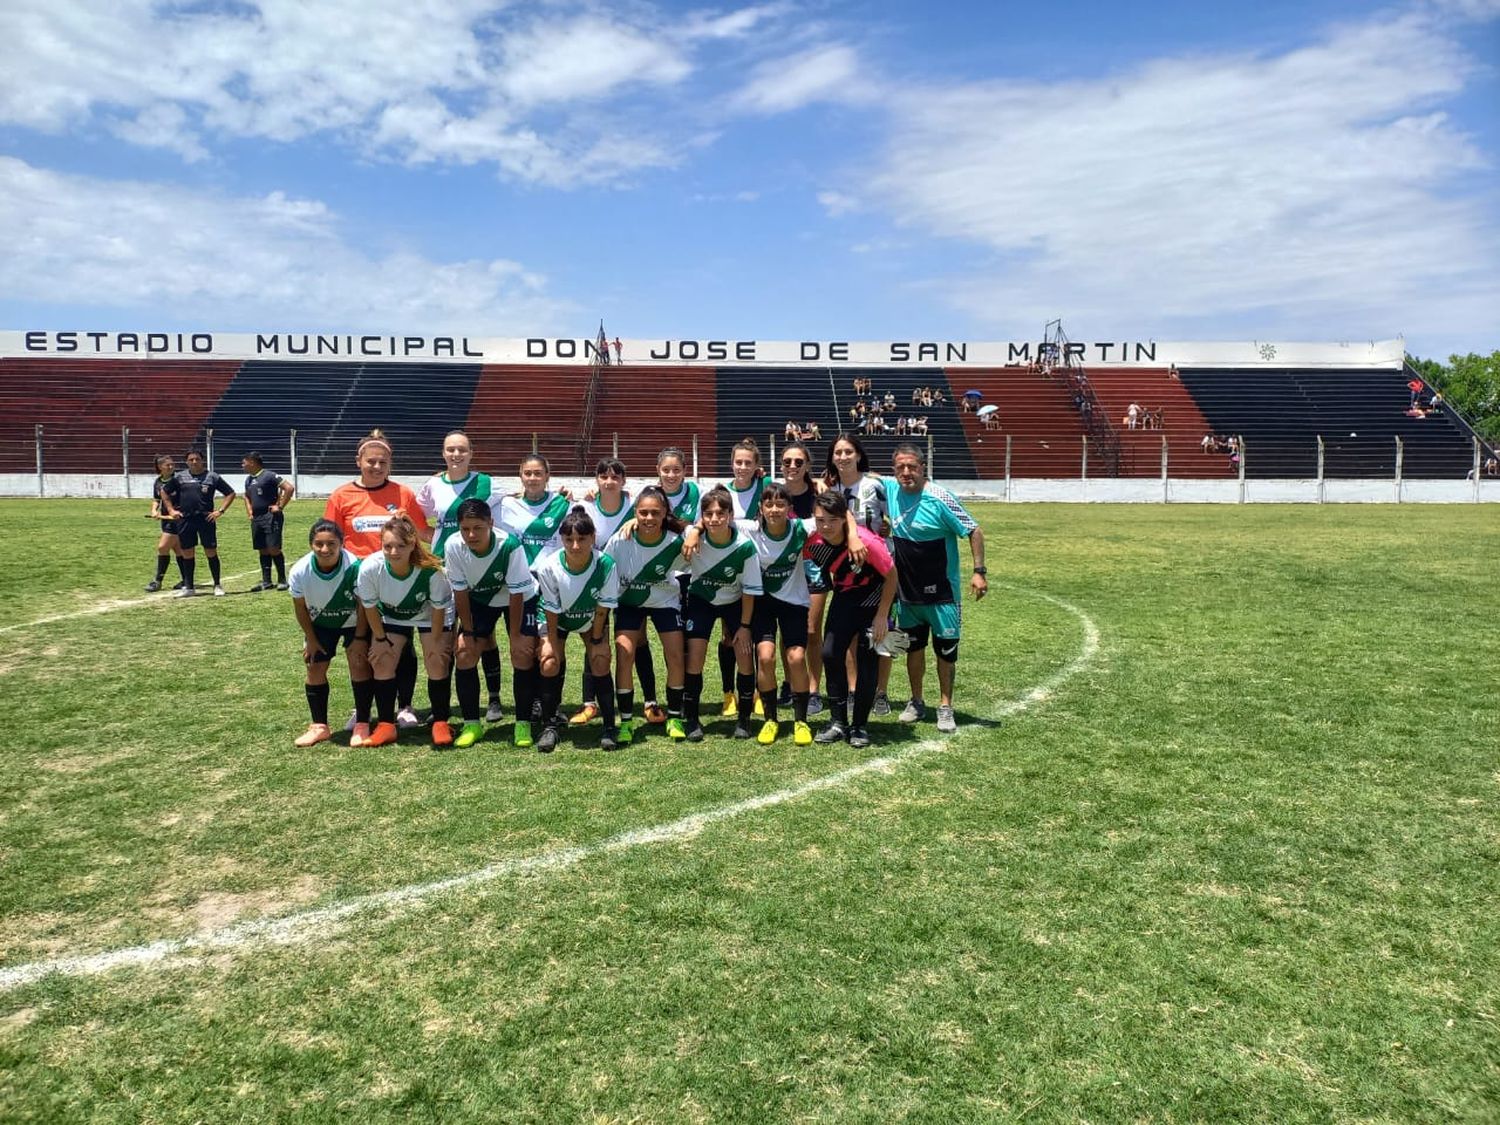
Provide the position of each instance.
(845, 622)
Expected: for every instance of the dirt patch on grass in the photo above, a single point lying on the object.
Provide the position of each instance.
(218, 909)
(83, 763)
(18, 1019)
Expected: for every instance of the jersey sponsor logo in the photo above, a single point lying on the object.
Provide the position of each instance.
(581, 612)
(635, 590)
(725, 572)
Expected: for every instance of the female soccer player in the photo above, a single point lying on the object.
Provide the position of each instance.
(857, 614)
(778, 543)
(323, 598)
(608, 506)
(578, 589)
(725, 581)
(745, 488)
(646, 562)
(439, 498)
(164, 508)
(683, 499)
(491, 583)
(404, 592)
(361, 509)
(801, 488)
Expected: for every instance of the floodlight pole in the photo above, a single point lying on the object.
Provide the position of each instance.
(125, 457)
(1400, 456)
(1322, 483)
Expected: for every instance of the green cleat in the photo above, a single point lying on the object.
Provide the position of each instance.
(675, 730)
(471, 734)
(624, 736)
(523, 734)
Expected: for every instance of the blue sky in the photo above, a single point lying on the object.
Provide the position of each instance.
(781, 170)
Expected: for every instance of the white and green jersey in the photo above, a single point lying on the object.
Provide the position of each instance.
(403, 601)
(440, 497)
(746, 501)
(686, 501)
(535, 525)
(647, 572)
(328, 595)
(606, 523)
(782, 573)
(721, 574)
(493, 576)
(575, 597)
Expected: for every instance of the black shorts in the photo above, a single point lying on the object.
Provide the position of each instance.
(772, 615)
(701, 616)
(171, 527)
(329, 639)
(265, 531)
(631, 619)
(196, 529)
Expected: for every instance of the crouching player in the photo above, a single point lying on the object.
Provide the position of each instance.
(323, 598)
(403, 592)
(491, 583)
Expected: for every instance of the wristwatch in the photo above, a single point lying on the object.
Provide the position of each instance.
(982, 571)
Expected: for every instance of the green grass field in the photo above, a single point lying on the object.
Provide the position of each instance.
(1240, 863)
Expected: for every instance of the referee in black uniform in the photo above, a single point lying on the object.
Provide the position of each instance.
(266, 498)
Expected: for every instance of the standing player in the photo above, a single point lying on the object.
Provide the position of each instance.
(608, 507)
(744, 488)
(404, 594)
(926, 523)
(725, 581)
(783, 609)
(801, 490)
(683, 500)
(164, 508)
(439, 498)
(848, 469)
(266, 498)
(323, 598)
(196, 486)
(491, 583)
(578, 589)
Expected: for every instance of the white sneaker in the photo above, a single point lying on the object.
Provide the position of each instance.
(406, 718)
(914, 711)
(186, 592)
(218, 591)
(946, 723)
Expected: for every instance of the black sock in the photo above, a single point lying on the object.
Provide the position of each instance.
(213, 567)
(744, 688)
(162, 562)
(645, 671)
(265, 569)
(726, 668)
(187, 566)
(692, 698)
(625, 704)
(588, 687)
(769, 701)
(182, 570)
(364, 696)
(550, 694)
(838, 711)
(406, 670)
(385, 700)
(280, 561)
(799, 705)
(674, 701)
(523, 688)
(467, 681)
(604, 696)
(489, 659)
(440, 695)
(317, 702)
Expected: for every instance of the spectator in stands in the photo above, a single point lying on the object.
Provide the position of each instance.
(1415, 386)
(196, 486)
(1172, 373)
(992, 421)
(164, 508)
(790, 430)
(619, 351)
(926, 523)
(813, 432)
(1132, 415)
(1208, 444)
(266, 498)
(1492, 465)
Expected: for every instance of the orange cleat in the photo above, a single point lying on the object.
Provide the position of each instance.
(384, 734)
(442, 733)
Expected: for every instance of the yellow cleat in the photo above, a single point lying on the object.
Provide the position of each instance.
(731, 706)
(767, 733)
(802, 734)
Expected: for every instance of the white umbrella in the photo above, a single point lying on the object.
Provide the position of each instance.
(986, 411)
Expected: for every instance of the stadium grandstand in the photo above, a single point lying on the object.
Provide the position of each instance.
(98, 405)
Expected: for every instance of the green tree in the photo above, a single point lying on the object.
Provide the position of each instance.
(1471, 384)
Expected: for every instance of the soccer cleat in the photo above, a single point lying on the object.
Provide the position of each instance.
(547, 741)
(742, 731)
(814, 704)
(442, 733)
(655, 713)
(494, 712)
(626, 734)
(315, 733)
(359, 734)
(731, 706)
(178, 585)
(882, 705)
(833, 732)
(406, 718)
(802, 734)
(153, 586)
(760, 708)
(261, 586)
(695, 733)
(522, 736)
(384, 734)
(675, 730)
(219, 591)
(587, 715)
(186, 592)
(608, 740)
(914, 711)
(471, 734)
(767, 735)
(859, 738)
(946, 723)
(282, 586)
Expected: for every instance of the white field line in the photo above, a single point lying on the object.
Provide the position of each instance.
(110, 606)
(292, 928)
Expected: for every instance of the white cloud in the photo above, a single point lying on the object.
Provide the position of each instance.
(584, 58)
(836, 203)
(829, 73)
(1314, 190)
(240, 262)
